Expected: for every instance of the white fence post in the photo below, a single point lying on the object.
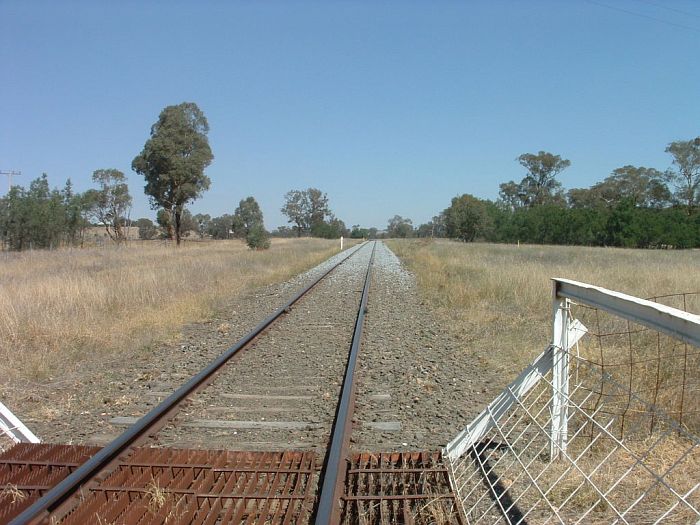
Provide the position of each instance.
(560, 376)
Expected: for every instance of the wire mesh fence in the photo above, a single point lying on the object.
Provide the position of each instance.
(631, 452)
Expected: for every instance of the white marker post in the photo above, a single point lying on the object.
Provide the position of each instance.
(341, 243)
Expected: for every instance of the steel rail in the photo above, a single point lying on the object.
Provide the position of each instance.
(333, 476)
(88, 470)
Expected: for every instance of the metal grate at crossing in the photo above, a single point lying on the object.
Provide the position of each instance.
(202, 486)
(399, 487)
(27, 470)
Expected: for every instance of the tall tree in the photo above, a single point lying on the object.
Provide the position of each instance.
(317, 207)
(110, 203)
(540, 185)
(640, 186)
(308, 210)
(247, 216)
(296, 209)
(686, 178)
(174, 158)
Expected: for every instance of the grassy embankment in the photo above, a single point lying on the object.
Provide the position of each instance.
(498, 297)
(58, 308)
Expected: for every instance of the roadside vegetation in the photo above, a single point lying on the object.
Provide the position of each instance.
(497, 298)
(58, 308)
(633, 207)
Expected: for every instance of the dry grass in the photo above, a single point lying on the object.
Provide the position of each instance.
(498, 297)
(60, 307)
(11, 493)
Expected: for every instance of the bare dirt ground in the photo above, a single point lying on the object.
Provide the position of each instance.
(416, 388)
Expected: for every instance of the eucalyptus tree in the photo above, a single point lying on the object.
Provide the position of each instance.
(247, 216)
(686, 177)
(540, 184)
(174, 158)
(308, 210)
(110, 203)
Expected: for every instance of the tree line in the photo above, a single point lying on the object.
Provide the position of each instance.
(634, 207)
(172, 163)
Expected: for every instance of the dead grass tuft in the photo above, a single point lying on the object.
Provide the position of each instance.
(11, 493)
(156, 496)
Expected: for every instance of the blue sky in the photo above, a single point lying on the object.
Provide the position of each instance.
(389, 107)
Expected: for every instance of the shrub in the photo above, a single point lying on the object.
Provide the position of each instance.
(258, 238)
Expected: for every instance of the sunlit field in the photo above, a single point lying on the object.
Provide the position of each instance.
(60, 307)
(497, 298)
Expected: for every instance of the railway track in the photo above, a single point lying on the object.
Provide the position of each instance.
(251, 448)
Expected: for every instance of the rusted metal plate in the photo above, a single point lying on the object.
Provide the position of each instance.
(158, 486)
(27, 470)
(398, 487)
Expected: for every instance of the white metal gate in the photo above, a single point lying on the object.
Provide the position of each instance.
(601, 428)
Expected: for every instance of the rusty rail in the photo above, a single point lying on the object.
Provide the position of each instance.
(60, 493)
(333, 476)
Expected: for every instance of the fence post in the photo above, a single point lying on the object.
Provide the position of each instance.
(560, 376)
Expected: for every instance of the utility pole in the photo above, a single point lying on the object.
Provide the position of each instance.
(10, 174)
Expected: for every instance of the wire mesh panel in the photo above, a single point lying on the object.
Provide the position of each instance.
(630, 453)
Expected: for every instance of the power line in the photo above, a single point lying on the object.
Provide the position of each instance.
(661, 20)
(10, 174)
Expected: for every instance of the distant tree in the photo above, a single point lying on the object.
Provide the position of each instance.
(307, 210)
(247, 216)
(202, 221)
(283, 231)
(686, 177)
(296, 208)
(318, 207)
(585, 198)
(258, 238)
(110, 203)
(641, 186)
(373, 233)
(334, 228)
(540, 185)
(399, 227)
(147, 230)
(512, 195)
(359, 233)
(41, 217)
(76, 214)
(174, 158)
(425, 230)
(165, 221)
(467, 218)
(221, 227)
(187, 223)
